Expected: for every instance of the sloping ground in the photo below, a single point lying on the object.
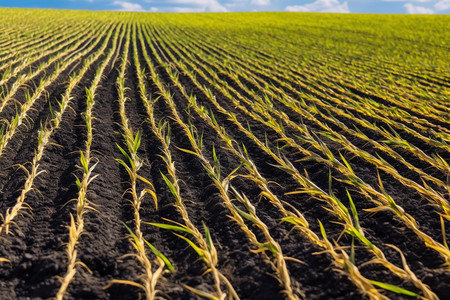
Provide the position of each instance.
(294, 156)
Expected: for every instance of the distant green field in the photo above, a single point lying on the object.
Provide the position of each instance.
(224, 155)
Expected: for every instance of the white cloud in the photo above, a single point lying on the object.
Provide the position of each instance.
(321, 6)
(128, 6)
(297, 8)
(153, 9)
(413, 9)
(195, 6)
(261, 2)
(419, 1)
(237, 3)
(186, 9)
(442, 5)
(230, 5)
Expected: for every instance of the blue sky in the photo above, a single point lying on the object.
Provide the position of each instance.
(342, 6)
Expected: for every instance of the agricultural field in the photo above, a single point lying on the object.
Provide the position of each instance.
(224, 156)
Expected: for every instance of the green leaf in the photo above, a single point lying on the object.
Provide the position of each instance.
(78, 182)
(84, 162)
(170, 185)
(283, 168)
(346, 163)
(125, 154)
(135, 238)
(160, 255)
(188, 151)
(329, 135)
(52, 113)
(294, 221)
(322, 230)
(200, 141)
(216, 162)
(268, 246)
(127, 168)
(444, 238)
(245, 215)
(170, 227)
(197, 249)
(362, 238)
(245, 151)
(305, 191)
(394, 288)
(167, 135)
(145, 180)
(213, 118)
(154, 250)
(208, 237)
(201, 293)
(137, 141)
(330, 181)
(88, 94)
(354, 211)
